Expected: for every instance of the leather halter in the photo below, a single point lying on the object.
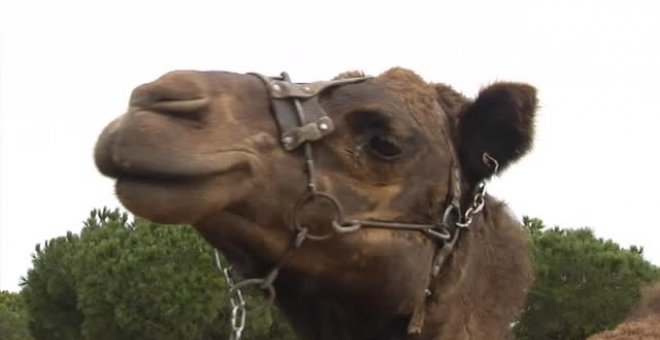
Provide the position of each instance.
(299, 115)
(301, 120)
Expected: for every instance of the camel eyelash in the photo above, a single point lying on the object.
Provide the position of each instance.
(354, 153)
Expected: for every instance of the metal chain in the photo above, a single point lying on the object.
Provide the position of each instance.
(238, 310)
(478, 202)
(479, 193)
(238, 305)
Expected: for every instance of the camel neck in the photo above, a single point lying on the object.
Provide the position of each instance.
(323, 316)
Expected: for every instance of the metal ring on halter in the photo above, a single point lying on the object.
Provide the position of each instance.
(259, 282)
(300, 238)
(467, 219)
(346, 227)
(311, 196)
(488, 160)
(440, 233)
(445, 217)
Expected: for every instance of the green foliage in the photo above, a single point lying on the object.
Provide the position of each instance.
(583, 284)
(50, 296)
(133, 280)
(13, 321)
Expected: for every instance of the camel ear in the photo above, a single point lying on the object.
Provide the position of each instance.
(500, 124)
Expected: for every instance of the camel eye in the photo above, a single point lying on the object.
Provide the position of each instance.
(384, 147)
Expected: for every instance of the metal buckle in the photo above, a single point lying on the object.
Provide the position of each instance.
(280, 89)
(293, 138)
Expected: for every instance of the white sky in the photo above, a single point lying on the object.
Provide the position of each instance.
(67, 69)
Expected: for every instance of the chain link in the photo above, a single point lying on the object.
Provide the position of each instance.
(478, 202)
(238, 305)
(479, 194)
(238, 310)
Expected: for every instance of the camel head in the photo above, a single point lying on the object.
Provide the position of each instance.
(204, 148)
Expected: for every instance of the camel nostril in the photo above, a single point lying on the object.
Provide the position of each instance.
(174, 93)
(180, 105)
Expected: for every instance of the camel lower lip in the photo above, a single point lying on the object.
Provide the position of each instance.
(233, 161)
(181, 200)
(155, 178)
(151, 185)
(163, 179)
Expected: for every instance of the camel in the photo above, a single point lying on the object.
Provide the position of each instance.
(644, 321)
(365, 214)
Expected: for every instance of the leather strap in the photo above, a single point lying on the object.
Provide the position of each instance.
(299, 115)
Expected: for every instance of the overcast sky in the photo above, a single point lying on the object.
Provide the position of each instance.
(67, 69)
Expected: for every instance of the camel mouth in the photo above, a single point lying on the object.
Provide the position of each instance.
(186, 198)
(226, 163)
(165, 179)
(157, 177)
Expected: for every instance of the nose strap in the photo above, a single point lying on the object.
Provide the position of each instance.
(297, 110)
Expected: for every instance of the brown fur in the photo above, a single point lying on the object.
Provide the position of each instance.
(477, 292)
(202, 148)
(350, 74)
(644, 321)
(450, 100)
